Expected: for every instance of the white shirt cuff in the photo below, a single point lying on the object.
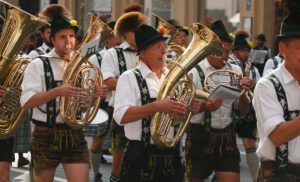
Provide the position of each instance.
(119, 113)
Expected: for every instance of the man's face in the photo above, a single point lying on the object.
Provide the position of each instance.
(259, 42)
(219, 62)
(64, 41)
(154, 55)
(46, 36)
(130, 39)
(181, 40)
(112, 41)
(242, 54)
(291, 53)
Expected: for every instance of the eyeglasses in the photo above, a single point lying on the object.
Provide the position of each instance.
(161, 47)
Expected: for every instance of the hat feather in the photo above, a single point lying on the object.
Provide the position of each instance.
(53, 10)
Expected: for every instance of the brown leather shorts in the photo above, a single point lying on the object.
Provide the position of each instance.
(51, 146)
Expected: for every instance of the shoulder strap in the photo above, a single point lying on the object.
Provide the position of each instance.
(145, 98)
(39, 51)
(281, 156)
(201, 74)
(50, 83)
(121, 59)
(99, 58)
(275, 61)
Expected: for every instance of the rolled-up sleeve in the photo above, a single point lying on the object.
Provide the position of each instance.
(32, 81)
(127, 95)
(109, 64)
(268, 110)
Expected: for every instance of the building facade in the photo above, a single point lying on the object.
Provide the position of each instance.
(255, 16)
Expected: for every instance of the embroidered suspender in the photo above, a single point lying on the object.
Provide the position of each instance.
(275, 61)
(39, 52)
(145, 97)
(282, 151)
(99, 58)
(50, 83)
(121, 59)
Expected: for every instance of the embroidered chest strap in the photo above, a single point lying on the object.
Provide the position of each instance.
(145, 98)
(39, 52)
(121, 59)
(99, 58)
(50, 84)
(282, 151)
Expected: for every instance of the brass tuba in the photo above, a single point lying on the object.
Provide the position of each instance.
(79, 73)
(204, 42)
(18, 25)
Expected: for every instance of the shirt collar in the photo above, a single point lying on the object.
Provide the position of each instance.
(45, 47)
(53, 54)
(145, 70)
(207, 65)
(125, 45)
(286, 75)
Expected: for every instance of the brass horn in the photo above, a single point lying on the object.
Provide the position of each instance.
(81, 73)
(17, 26)
(204, 42)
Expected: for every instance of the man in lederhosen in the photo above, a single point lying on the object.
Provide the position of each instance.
(246, 125)
(211, 139)
(53, 141)
(277, 106)
(135, 104)
(108, 40)
(117, 60)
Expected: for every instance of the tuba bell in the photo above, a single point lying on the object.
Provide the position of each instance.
(168, 30)
(17, 26)
(81, 73)
(204, 42)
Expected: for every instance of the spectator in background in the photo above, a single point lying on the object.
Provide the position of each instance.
(259, 44)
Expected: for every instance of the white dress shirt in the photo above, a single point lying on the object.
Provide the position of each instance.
(94, 60)
(222, 117)
(128, 94)
(269, 113)
(34, 82)
(34, 54)
(110, 65)
(269, 66)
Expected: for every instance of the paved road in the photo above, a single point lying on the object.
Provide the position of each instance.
(21, 174)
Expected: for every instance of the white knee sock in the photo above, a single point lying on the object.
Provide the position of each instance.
(252, 162)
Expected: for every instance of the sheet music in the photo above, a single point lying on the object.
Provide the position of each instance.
(227, 93)
(258, 56)
(90, 47)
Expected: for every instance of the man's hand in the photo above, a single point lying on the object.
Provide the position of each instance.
(171, 107)
(101, 91)
(70, 91)
(211, 105)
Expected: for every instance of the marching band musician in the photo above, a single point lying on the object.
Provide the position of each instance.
(108, 40)
(135, 104)
(53, 141)
(246, 124)
(117, 60)
(277, 106)
(46, 46)
(211, 140)
(272, 64)
(7, 150)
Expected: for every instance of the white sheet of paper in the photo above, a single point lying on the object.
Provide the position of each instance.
(90, 47)
(258, 56)
(227, 93)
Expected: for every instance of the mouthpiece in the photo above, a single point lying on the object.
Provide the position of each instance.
(68, 47)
